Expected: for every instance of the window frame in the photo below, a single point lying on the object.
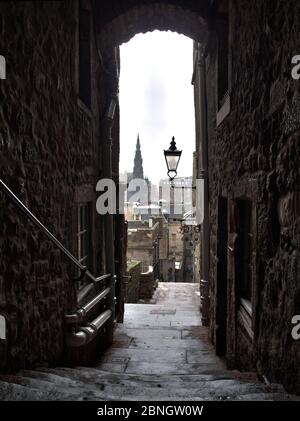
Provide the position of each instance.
(245, 304)
(84, 236)
(84, 61)
(223, 26)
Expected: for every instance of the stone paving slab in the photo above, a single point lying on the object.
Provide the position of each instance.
(114, 366)
(169, 368)
(165, 344)
(147, 355)
(163, 338)
(151, 333)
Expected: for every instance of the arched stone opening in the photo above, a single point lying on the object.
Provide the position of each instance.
(125, 19)
(176, 16)
(116, 23)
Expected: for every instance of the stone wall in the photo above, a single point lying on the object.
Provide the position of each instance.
(134, 270)
(121, 20)
(147, 285)
(254, 154)
(140, 285)
(49, 150)
(176, 244)
(143, 243)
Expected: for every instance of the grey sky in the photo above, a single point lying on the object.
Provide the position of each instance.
(156, 101)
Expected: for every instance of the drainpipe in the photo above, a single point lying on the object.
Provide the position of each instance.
(108, 218)
(203, 174)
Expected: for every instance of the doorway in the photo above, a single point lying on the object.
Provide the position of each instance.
(221, 286)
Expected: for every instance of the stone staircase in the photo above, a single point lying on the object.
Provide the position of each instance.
(82, 383)
(161, 352)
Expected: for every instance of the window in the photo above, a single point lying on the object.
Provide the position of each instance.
(222, 61)
(223, 98)
(173, 241)
(84, 235)
(84, 54)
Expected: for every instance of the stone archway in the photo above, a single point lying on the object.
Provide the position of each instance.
(128, 18)
(121, 20)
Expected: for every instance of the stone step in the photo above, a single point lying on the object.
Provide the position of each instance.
(206, 370)
(16, 392)
(158, 354)
(176, 383)
(51, 384)
(89, 374)
(80, 385)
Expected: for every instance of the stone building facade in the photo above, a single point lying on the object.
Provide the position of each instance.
(53, 126)
(252, 136)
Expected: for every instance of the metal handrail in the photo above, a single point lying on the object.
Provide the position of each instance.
(81, 313)
(29, 215)
(85, 334)
(101, 319)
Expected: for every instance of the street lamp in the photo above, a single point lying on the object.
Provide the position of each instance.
(172, 156)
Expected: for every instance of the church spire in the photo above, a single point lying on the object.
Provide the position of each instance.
(138, 160)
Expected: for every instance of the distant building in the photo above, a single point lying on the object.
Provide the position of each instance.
(138, 171)
(139, 208)
(143, 244)
(177, 200)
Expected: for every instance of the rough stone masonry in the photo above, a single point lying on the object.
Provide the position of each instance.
(52, 141)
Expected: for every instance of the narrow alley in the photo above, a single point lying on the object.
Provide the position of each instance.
(149, 201)
(160, 353)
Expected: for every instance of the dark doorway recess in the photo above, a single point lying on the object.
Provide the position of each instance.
(221, 296)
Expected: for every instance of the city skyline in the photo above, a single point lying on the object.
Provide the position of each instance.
(156, 101)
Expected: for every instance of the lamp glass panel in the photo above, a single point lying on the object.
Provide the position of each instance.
(172, 162)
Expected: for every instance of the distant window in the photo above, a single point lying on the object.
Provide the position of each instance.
(84, 234)
(84, 55)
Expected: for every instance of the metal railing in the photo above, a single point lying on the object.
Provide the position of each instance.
(82, 335)
(29, 215)
(87, 333)
(80, 314)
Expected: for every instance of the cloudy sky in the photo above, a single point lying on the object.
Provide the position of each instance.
(156, 101)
